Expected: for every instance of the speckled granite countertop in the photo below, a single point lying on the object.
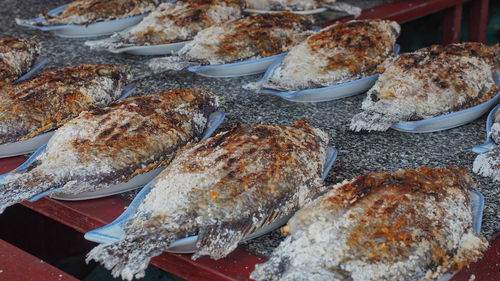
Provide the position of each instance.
(359, 153)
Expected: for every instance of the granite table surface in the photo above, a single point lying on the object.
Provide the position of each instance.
(359, 153)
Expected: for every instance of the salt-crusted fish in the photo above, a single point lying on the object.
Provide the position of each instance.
(38, 105)
(340, 53)
(223, 189)
(113, 144)
(301, 5)
(413, 224)
(488, 163)
(173, 22)
(429, 82)
(16, 57)
(252, 37)
(84, 12)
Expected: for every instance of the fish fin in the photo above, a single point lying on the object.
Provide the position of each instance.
(488, 164)
(15, 188)
(129, 257)
(372, 121)
(220, 240)
(171, 63)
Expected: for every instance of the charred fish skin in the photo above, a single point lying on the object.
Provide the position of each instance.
(173, 22)
(16, 57)
(84, 12)
(340, 53)
(252, 37)
(45, 102)
(113, 144)
(223, 189)
(429, 82)
(413, 224)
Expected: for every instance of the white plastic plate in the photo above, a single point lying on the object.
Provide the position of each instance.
(236, 69)
(489, 144)
(78, 31)
(151, 50)
(32, 144)
(305, 12)
(114, 231)
(214, 120)
(334, 92)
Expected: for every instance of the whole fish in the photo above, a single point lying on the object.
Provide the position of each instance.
(84, 12)
(413, 224)
(38, 105)
(16, 57)
(113, 144)
(488, 163)
(340, 53)
(430, 82)
(172, 22)
(252, 37)
(223, 189)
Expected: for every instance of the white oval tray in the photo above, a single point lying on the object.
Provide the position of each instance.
(236, 69)
(114, 231)
(489, 144)
(79, 31)
(152, 50)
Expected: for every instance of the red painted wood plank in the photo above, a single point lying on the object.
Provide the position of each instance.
(487, 269)
(451, 25)
(17, 265)
(8, 164)
(478, 20)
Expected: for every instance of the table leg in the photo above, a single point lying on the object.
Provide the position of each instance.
(451, 25)
(478, 20)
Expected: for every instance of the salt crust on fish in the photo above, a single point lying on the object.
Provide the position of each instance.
(339, 53)
(83, 12)
(302, 5)
(413, 224)
(43, 103)
(252, 37)
(432, 81)
(172, 22)
(488, 163)
(16, 57)
(113, 144)
(222, 189)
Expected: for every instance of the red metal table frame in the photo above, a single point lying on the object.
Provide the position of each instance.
(408, 10)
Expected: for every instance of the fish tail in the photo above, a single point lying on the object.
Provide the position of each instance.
(128, 258)
(488, 164)
(344, 7)
(220, 240)
(172, 63)
(371, 121)
(16, 190)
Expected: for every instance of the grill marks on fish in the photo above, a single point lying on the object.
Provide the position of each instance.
(110, 146)
(173, 22)
(407, 225)
(16, 57)
(251, 37)
(429, 82)
(84, 12)
(339, 53)
(43, 103)
(223, 189)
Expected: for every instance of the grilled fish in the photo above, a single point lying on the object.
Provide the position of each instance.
(429, 82)
(413, 224)
(223, 189)
(301, 5)
(252, 37)
(488, 163)
(113, 144)
(173, 22)
(340, 53)
(44, 103)
(84, 12)
(16, 57)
